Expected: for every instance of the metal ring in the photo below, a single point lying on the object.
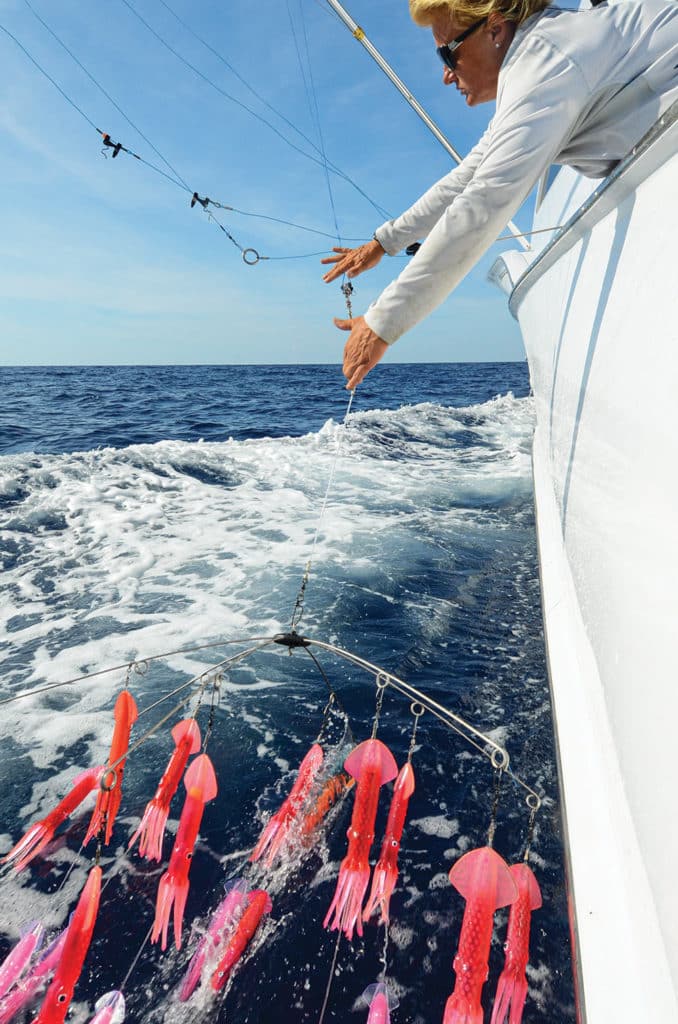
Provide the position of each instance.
(533, 801)
(102, 781)
(413, 709)
(140, 667)
(381, 681)
(499, 759)
(250, 262)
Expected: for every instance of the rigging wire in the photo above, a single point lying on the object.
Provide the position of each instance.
(244, 106)
(105, 93)
(315, 114)
(49, 77)
(345, 286)
(132, 665)
(176, 179)
(234, 71)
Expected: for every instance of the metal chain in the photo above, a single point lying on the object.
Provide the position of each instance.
(214, 701)
(347, 290)
(417, 711)
(530, 831)
(381, 683)
(326, 716)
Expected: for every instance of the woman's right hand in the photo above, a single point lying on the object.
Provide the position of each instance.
(353, 261)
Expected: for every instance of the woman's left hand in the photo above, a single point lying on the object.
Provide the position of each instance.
(362, 351)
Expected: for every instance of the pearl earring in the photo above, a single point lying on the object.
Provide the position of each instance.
(497, 45)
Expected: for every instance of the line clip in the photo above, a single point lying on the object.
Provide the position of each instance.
(108, 142)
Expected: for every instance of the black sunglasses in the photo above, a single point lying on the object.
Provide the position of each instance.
(446, 52)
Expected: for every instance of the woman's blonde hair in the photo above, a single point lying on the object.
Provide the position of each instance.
(465, 12)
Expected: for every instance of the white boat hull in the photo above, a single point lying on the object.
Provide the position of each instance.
(599, 316)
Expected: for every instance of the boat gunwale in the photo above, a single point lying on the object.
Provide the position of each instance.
(606, 197)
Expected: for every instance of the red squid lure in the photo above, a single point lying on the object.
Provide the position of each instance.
(277, 831)
(512, 986)
(186, 736)
(386, 869)
(108, 800)
(372, 764)
(483, 878)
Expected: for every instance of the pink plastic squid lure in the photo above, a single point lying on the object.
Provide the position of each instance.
(385, 872)
(16, 963)
(512, 986)
(27, 987)
(223, 921)
(276, 832)
(108, 800)
(109, 1009)
(372, 764)
(186, 736)
(42, 832)
(483, 878)
(201, 787)
(380, 1001)
(78, 938)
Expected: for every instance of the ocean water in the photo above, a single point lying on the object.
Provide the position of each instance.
(150, 509)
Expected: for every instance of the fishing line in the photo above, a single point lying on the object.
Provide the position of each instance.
(383, 959)
(530, 829)
(237, 74)
(346, 287)
(131, 665)
(117, 147)
(298, 610)
(136, 959)
(337, 170)
(158, 725)
(105, 93)
(68, 874)
(315, 114)
(304, 256)
(213, 705)
(333, 698)
(218, 88)
(330, 979)
(495, 807)
(49, 78)
(381, 684)
(239, 103)
(287, 223)
(300, 62)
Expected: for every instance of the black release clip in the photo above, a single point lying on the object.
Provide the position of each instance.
(115, 146)
(413, 249)
(197, 199)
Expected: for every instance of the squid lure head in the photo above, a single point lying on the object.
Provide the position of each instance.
(380, 1001)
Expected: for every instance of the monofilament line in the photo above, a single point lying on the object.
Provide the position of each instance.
(299, 603)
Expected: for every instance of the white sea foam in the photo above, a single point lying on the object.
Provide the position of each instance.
(117, 553)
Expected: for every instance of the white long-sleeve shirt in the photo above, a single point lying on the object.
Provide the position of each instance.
(575, 87)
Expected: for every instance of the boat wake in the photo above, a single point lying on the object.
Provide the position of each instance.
(425, 563)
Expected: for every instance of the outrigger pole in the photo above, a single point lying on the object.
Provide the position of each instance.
(359, 34)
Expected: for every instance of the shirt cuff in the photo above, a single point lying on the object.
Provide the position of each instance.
(379, 324)
(389, 239)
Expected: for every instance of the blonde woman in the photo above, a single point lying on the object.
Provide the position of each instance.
(572, 87)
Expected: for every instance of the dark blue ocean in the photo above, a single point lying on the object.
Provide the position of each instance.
(151, 510)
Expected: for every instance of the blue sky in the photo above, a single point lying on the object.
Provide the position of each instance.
(103, 261)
